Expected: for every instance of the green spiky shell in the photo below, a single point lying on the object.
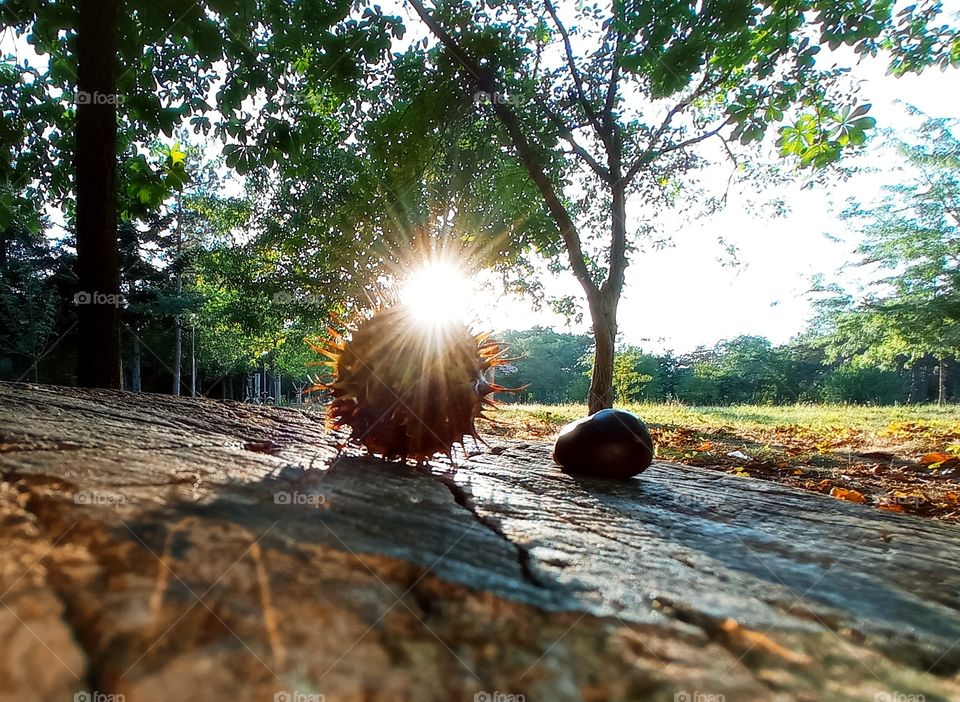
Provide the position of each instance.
(409, 390)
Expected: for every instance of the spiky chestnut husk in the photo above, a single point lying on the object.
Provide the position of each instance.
(406, 390)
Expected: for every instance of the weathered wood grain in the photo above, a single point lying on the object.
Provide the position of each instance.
(159, 547)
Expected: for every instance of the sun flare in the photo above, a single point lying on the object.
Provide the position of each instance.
(437, 293)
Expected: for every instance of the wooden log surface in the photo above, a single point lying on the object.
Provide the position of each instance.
(161, 548)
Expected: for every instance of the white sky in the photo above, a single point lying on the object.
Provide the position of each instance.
(682, 297)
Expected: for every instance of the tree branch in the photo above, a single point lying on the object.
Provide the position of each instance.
(567, 134)
(693, 140)
(528, 156)
(648, 156)
(651, 152)
(614, 76)
(574, 73)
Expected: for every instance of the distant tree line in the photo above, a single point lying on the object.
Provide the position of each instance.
(743, 370)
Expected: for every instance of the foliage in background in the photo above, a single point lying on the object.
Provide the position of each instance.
(744, 370)
(912, 246)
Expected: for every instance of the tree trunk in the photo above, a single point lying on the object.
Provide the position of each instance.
(604, 336)
(98, 357)
(193, 361)
(941, 382)
(602, 300)
(136, 381)
(912, 397)
(177, 330)
(177, 354)
(603, 306)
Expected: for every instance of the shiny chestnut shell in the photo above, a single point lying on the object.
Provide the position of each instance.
(609, 444)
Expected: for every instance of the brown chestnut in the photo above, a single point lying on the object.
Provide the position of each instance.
(609, 444)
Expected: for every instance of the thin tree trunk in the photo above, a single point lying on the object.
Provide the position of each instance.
(193, 361)
(136, 380)
(941, 382)
(177, 354)
(98, 356)
(914, 384)
(177, 330)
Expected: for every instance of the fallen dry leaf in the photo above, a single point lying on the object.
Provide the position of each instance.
(934, 457)
(755, 640)
(848, 495)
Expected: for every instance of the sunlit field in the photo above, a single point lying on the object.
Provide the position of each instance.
(881, 424)
(903, 459)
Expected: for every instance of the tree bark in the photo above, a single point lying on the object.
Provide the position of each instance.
(98, 357)
(941, 382)
(177, 330)
(193, 361)
(604, 336)
(604, 311)
(914, 384)
(136, 381)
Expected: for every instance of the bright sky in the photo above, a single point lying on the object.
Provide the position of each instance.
(682, 297)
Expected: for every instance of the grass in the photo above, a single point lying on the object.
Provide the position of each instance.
(901, 459)
(875, 421)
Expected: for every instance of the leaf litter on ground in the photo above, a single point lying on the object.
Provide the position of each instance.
(898, 459)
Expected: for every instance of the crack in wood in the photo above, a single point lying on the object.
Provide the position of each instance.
(465, 500)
